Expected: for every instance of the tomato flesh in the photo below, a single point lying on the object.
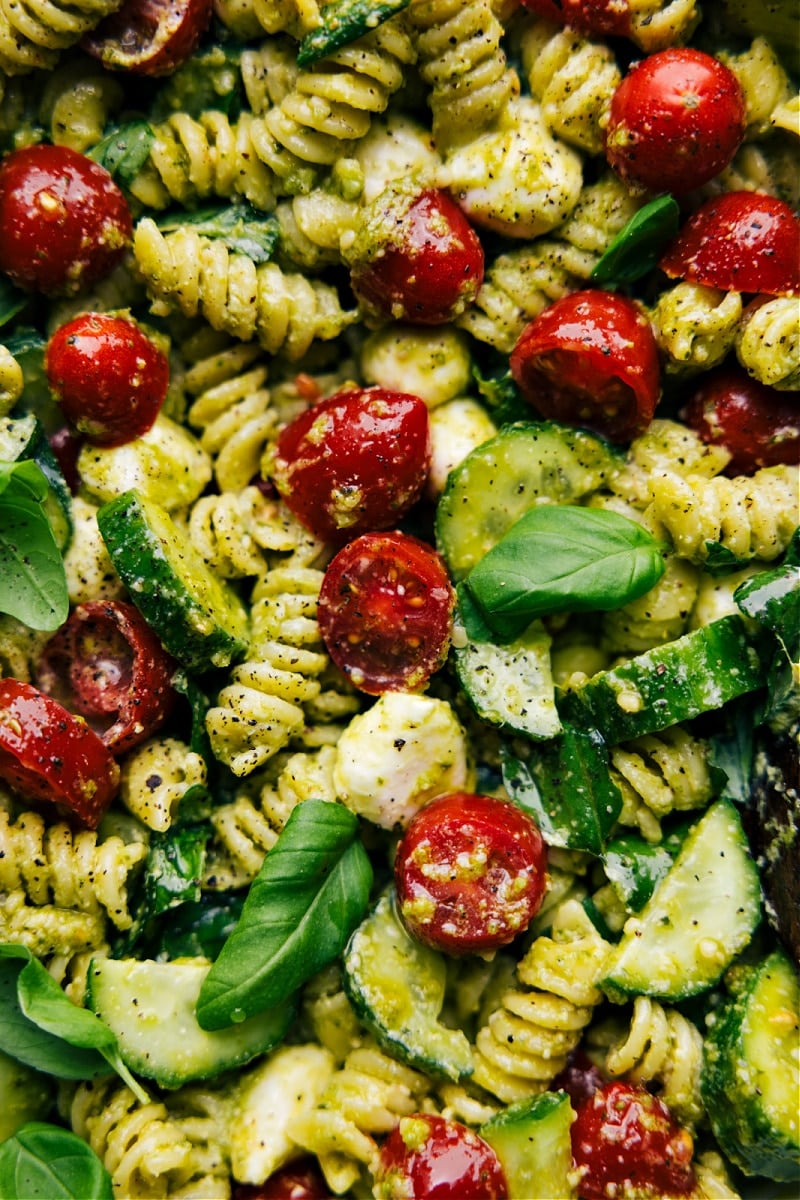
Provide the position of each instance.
(48, 754)
(149, 37)
(590, 359)
(470, 873)
(355, 462)
(626, 1144)
(385, 612)
(431, 1158)
(757, 424)
(741, 242)
(298, 1180)
(417, 259)
(604, 18)
(109, 378)
(64, 223)
(107, 664)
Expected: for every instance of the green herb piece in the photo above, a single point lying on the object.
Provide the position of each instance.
(33, 583)
(200, 929)
(12, 301)
(342, 22)
(638, 247)
(504, 399)
(50, 1163)
(310, 894)
(772, 598)
(559, 558)
(124, 151)
(175, 867)
(634, 866)
(210, 80)
(241, 229)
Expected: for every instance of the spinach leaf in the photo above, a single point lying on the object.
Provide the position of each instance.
(310, 894)
(638, 247)
(33, 583)
(562, 557)
(342, 22)
(241, 228)
(44, 1162)
(124, 151)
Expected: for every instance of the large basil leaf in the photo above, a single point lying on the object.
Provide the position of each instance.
(33, 583)
(44, 1161)
(639, 245)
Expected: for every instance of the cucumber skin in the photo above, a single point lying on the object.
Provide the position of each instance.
(532, 1141)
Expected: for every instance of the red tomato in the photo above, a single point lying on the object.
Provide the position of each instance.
(149, 37)
(740, 242)
(298, 1180)
(591, 360)
(108, 377)
(64, 223)
(355, 462)
(47, 754)
(470, 873)
(759, 425)
(107, 664)
(675, 121)
(604, 18)
(430, 1158)
(626, 1143)
(418, 258)
(385, 612)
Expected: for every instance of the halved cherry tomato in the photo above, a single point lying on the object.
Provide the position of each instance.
(432, 1157)
(470, 873)
(48, 754)
(757, 424)
(64, 223)
(604, 18)
(385, 612)
(355, 462)
(675, 121)
(625, 1142)
(298, 1180)
(591, 360)
(416, 258)
(149, 37)
(109, 378)
(740, 242)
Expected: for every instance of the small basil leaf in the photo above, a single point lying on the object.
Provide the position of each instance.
(175, 865)
(124, 151)
(45, 1162)
(310, 894)
(634, 866)
(638, 247)
(33, 583)
(342, 22)
(559, 558)
(720, 560)
(241, 228)
(199, 930)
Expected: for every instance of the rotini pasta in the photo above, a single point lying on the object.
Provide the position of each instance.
(155, 778)
(768, 343)
(33, 33)
(696, 326)
(660, 775)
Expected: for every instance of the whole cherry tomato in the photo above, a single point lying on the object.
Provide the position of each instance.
(385, 612)
(626, 1143)
(354, 463)
(64, 223)
(107, 664)
(431, 1158)
(416, 258)
(740, 242)
(604, 18)
(149, 37)
(470, 873)
(591, 360)
(298, 1180)
(757, 424)
(109, 378)
(675, 121)
(48, 754)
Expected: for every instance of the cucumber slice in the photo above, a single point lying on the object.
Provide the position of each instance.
(675, 682)
(512, 685)
(532, 1141)
(24, 438)
(702, 913)
(199, 618)
(150, 1006)
(751, 1079)
(396, 986)
(525, 464)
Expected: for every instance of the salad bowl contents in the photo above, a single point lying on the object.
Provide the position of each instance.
(399, 601)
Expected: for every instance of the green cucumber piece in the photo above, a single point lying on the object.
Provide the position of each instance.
(342, 22)
(150, 1006)
(24, 438)
(669, 684)
(701, 914)
(198, 617)
(751, 1080)
(525, 464)
(532, 1141)
(396, 986)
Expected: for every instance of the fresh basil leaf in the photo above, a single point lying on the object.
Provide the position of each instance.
(342, 22)
(33, 582)
(45, 1162)
(503, 397)
(174, 867)
(559, 558)
(199, 929)
(720, 560)
(124, 151)
(471, 617)
(241, 228)
(634, 866)
(310, 894)
(12, 301)
(199, 704)
(639, 245)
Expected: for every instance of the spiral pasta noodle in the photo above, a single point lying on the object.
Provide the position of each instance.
(48, 929)
(768, 343)
(156, 776)
(658, 775)
(34, 32)
(77, 102)
(695, 326)
(657, 24)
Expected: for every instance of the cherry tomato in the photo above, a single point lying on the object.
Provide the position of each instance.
(757, 424)
(675, 121)
(626, 1143)
(470, 873)
(580, 1078)
(48, 754)
(604, 18)
(740, 242)
(107, 664)
(354, 463)
(108, 377)
(385, 612)
(149, 37)
(590, 359)
(427, 1157)
(298, 1180)
(417, 258)
(64, 223)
